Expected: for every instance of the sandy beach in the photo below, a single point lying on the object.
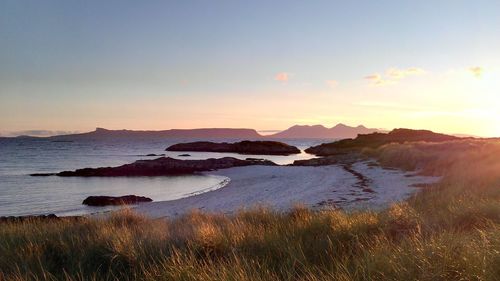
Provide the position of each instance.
(360, 185)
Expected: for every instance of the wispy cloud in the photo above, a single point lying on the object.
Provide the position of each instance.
(397, 74)
(376, 79)
(332, 83)
(477, 71)
(393, 75)
(282, 77)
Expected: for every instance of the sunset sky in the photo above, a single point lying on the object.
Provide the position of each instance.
(77, 65)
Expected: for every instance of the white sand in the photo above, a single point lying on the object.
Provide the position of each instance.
(281, 187)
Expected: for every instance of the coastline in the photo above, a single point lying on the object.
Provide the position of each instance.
(282, 187)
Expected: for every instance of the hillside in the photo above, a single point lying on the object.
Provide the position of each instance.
(375, 140)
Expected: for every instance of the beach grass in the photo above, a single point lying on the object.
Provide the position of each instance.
(447, 231)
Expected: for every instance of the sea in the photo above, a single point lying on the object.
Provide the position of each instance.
(22, 194)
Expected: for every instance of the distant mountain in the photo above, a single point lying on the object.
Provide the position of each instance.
(101, 133)
(36, 133)
(340, 131)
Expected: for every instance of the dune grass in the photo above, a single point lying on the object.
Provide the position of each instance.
(450, 231)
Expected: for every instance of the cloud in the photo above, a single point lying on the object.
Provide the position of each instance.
(377, 80)
(397, 74)
(477, 71)
(393, 75)
(282, 76)
(332, 83)
(415, 71)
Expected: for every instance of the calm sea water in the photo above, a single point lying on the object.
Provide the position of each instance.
(21, 194)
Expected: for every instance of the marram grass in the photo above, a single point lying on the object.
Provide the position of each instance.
(447, 232)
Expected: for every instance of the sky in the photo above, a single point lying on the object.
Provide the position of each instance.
(75, 65)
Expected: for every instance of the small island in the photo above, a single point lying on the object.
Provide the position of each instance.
(242, 147)
(112, 200)
(163, 166)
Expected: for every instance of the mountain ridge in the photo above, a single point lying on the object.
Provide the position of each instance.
(210, 133)
(172, 133)
(339, 131)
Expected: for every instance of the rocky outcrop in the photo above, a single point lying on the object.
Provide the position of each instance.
(49, 217)
(28, 218)
(242, 147)
(377, 139)
(111, 200)
(43, 174)
(163, 166)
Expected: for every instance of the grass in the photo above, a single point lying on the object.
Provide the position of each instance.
(450, 231)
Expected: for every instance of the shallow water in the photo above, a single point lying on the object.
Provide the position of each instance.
(21, 194)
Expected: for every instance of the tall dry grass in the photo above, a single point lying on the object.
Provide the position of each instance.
(469, 192)
(450, 231)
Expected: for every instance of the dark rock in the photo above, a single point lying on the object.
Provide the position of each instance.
(242, 147)
(376, 140)
(163, 166)
(316, 162)
(255, 159)
(111, 200)
(49, 217)
(184, 155)
(43, 174)
(152, 154)
(25, 218)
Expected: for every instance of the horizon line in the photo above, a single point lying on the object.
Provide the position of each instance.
(41, 133)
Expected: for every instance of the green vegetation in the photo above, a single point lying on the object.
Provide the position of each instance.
(450, 231)
(376, 140)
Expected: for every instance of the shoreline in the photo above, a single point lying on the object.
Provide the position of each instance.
(349, 186)
(359, 185)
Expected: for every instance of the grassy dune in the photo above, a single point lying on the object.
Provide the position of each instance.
(450, 231)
